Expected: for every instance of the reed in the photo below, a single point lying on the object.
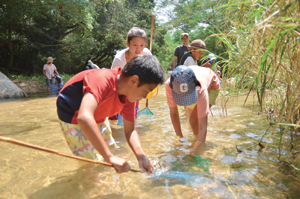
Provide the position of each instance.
(264, 52)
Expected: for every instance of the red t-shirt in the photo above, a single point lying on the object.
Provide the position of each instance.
(102, 83)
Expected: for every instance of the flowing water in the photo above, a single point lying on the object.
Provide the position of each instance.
(216, 171)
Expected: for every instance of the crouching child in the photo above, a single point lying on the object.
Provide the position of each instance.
(197, 88)
(91, 96)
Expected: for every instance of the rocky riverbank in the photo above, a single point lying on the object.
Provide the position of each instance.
(31, 86)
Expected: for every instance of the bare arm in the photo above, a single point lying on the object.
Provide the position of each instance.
(201, 137)
(44, 71)
(135, 144)
(176, 121)
(174, 61)
(56, 72)
(90, 129)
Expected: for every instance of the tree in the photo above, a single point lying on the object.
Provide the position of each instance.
(31, 30)
(71, 31)
(201, 19)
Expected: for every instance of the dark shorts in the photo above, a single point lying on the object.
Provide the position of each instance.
(49, 81)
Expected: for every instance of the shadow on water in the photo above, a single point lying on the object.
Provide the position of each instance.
(77, 184)
(19, 128)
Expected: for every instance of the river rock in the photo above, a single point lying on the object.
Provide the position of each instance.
(8, 89)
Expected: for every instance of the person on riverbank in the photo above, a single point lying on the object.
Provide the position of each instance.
(136, 44)
(197, 88)
(181, 52)
(48, 70)
(84, 104)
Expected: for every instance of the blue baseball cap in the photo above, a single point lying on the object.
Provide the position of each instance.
(184, 86)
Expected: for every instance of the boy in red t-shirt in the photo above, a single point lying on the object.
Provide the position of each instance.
(87, 99)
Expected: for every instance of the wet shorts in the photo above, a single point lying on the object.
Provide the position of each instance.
(49, 81)
(213, 94)
(80, 145)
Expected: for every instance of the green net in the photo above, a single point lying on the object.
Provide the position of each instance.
(145, 111)
(192, 163)
(187, 169)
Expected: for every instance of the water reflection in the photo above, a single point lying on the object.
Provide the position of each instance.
(217, 170)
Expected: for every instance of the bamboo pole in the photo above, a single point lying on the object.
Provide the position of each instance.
(24, 144)
(151, 37)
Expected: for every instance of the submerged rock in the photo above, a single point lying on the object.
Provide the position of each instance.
(8, 89)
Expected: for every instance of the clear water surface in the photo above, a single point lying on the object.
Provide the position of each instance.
(217, 171)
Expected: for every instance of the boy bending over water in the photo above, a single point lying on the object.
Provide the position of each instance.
(197, 88)
(91, 96)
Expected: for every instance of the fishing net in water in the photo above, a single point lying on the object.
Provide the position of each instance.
(146, 110)
(188, 169)
(192, 163)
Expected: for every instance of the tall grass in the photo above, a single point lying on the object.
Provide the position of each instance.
(264, 49)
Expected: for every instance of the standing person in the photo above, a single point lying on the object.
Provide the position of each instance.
(48, 70)
(197, 49)
(136, 44)
(91, 96)
(181, 52)
(197, 88)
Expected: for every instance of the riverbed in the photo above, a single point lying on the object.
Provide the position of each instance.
(216, 171)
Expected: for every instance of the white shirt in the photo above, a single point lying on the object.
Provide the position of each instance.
(49, 70)
(190, 61)
(120, 59)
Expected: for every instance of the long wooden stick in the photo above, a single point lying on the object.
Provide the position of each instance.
(24, 144)
(151, 37)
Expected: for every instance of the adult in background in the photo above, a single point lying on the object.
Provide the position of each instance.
(181, 52)
(48, 70)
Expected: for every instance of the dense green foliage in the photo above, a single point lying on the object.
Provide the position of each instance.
(32, 30)
(71, 31)
(198, 18)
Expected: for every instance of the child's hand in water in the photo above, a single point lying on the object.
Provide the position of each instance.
(191, 151)
(119, 164)
(145, 164)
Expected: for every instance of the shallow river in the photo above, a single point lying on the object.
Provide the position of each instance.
(217, 171)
